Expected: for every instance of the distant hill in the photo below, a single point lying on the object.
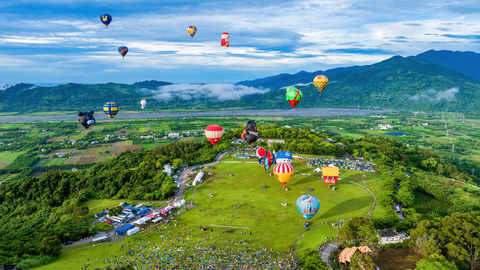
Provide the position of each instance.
(396, 83)
(467, 63)
(286, 79)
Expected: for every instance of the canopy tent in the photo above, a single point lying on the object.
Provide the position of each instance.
(317, 170)
(347, 253)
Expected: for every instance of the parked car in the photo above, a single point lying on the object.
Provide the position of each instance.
(69, 243)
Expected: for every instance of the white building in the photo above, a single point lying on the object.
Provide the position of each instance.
(385, 127)
(173, 135)
(277, 141)
(133, 231)
(425, 124)
(390, 236)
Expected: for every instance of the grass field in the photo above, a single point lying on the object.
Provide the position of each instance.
(55, 161)
(8, 156)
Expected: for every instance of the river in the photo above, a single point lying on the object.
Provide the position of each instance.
(310, 112)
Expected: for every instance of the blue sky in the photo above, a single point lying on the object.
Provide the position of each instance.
(61, 41)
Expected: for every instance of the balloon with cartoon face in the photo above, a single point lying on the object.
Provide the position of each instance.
(86, 119)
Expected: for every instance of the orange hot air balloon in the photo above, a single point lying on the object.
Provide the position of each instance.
(214, 133)
(330, 174)
(283, 171)
(321, 81)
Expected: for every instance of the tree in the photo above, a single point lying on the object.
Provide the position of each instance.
(312, 261)
(177, 163)
(405, 196)
(360, 262)
(117, 210)
(387, 198)
(51, 245)
(436, 262)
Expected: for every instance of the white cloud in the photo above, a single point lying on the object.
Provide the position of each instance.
(435, 96)
(297, 84)
(213, 92)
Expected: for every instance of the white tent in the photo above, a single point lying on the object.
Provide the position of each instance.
(317, 170)
(198, 177)
(142, 220)
(133, 231)
(99, 239)
(157, 220)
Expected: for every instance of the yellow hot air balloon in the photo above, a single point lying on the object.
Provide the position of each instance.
(283, 171)
(321, 81)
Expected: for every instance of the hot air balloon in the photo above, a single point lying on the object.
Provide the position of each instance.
(250, 132)
(144, 103)
(192, 30)
(214, 133)
(225, 36)
(106, 19)
(294, 96)
(261, 152)
(308, 206)
(267, 161)
(283, 171)
(111, 109)
(321, 81)
(123, 50)
(330, 174)
(86, 119)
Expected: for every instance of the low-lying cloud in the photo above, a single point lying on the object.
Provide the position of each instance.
(213, 92)
(297, 84)
(433, 95)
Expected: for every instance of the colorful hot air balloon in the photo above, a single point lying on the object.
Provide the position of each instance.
(144, 103)
(294, 96)
(123, 50)
(106, 19)
(214, 133)
(111, 109)
(192, 30)
(225, 36)
(330, 174)
(86, 119)
(250, 132)
(283, 171)
(267, 161)
(321, 81)
(308, 206)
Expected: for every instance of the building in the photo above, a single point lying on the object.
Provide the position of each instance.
(242, 156)
(390, 236)
(173, 135)
(261, 140)
(384, 127)
(277, 141)
(425, 124)
(168, 169)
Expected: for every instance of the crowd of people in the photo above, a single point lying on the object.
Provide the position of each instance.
(340, 163)
(178, 248)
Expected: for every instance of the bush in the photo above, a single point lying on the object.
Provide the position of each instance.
(36, 261)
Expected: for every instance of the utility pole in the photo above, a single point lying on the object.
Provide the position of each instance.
(453, 148)
(473, 171)
(447, 132)
(460, 162)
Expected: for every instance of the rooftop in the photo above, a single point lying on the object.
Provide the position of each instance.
(387, 232)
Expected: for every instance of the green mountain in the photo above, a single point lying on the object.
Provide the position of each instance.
(396, 83)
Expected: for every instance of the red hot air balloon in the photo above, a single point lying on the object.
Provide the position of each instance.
(214, 133)
(225, 36)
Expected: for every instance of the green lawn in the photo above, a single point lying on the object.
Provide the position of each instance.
(97, 206)
(7, 156)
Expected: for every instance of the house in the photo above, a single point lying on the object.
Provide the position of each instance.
(168, 169)
(242, 156)
(341, 144)
(261, 140)
(390, 236)
(173, 135)
(61, 155)
(385, 127)
(328, 140)
(277, 141)
(425, 124)
(74, 169)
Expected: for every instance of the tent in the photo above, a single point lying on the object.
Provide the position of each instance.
(317, 170)
(133, 231)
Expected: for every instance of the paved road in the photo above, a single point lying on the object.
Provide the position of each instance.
(183, 179)
(329, 249)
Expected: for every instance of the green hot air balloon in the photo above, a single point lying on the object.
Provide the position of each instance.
(294, 96)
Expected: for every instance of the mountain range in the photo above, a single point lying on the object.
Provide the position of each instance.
(433, 80)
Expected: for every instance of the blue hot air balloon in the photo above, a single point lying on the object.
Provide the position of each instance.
(123, 50)
(111, 109)
(308, 206)
(106, 19)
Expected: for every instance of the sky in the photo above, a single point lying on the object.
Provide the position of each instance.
(63, 41)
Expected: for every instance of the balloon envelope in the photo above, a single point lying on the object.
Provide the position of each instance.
(283, 171)
(225, 37)
(250, 133)
(330, 174)
(192, 30)
(321, 81)
(214, 133)
(294, 96)
(261, 152)
(111, 109)
(267, 161)
(123, 50)
(308, 206)
(106, 19)
(86, 119)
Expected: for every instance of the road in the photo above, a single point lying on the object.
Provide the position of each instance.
(329, 249)
(183, 178)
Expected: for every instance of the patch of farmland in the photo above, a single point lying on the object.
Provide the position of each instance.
(90, 152)
(82, 160)
(57, 151)
(58, 138)
(5, 164)
(91, 159)
(71, 161)
(101, 158)
(78, 153)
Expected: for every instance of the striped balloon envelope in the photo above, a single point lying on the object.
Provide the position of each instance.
(283, 171)
(111, 109)
(123, 50)
(214, 133)
(308, 206)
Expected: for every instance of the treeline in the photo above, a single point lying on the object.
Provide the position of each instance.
(36, 209)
